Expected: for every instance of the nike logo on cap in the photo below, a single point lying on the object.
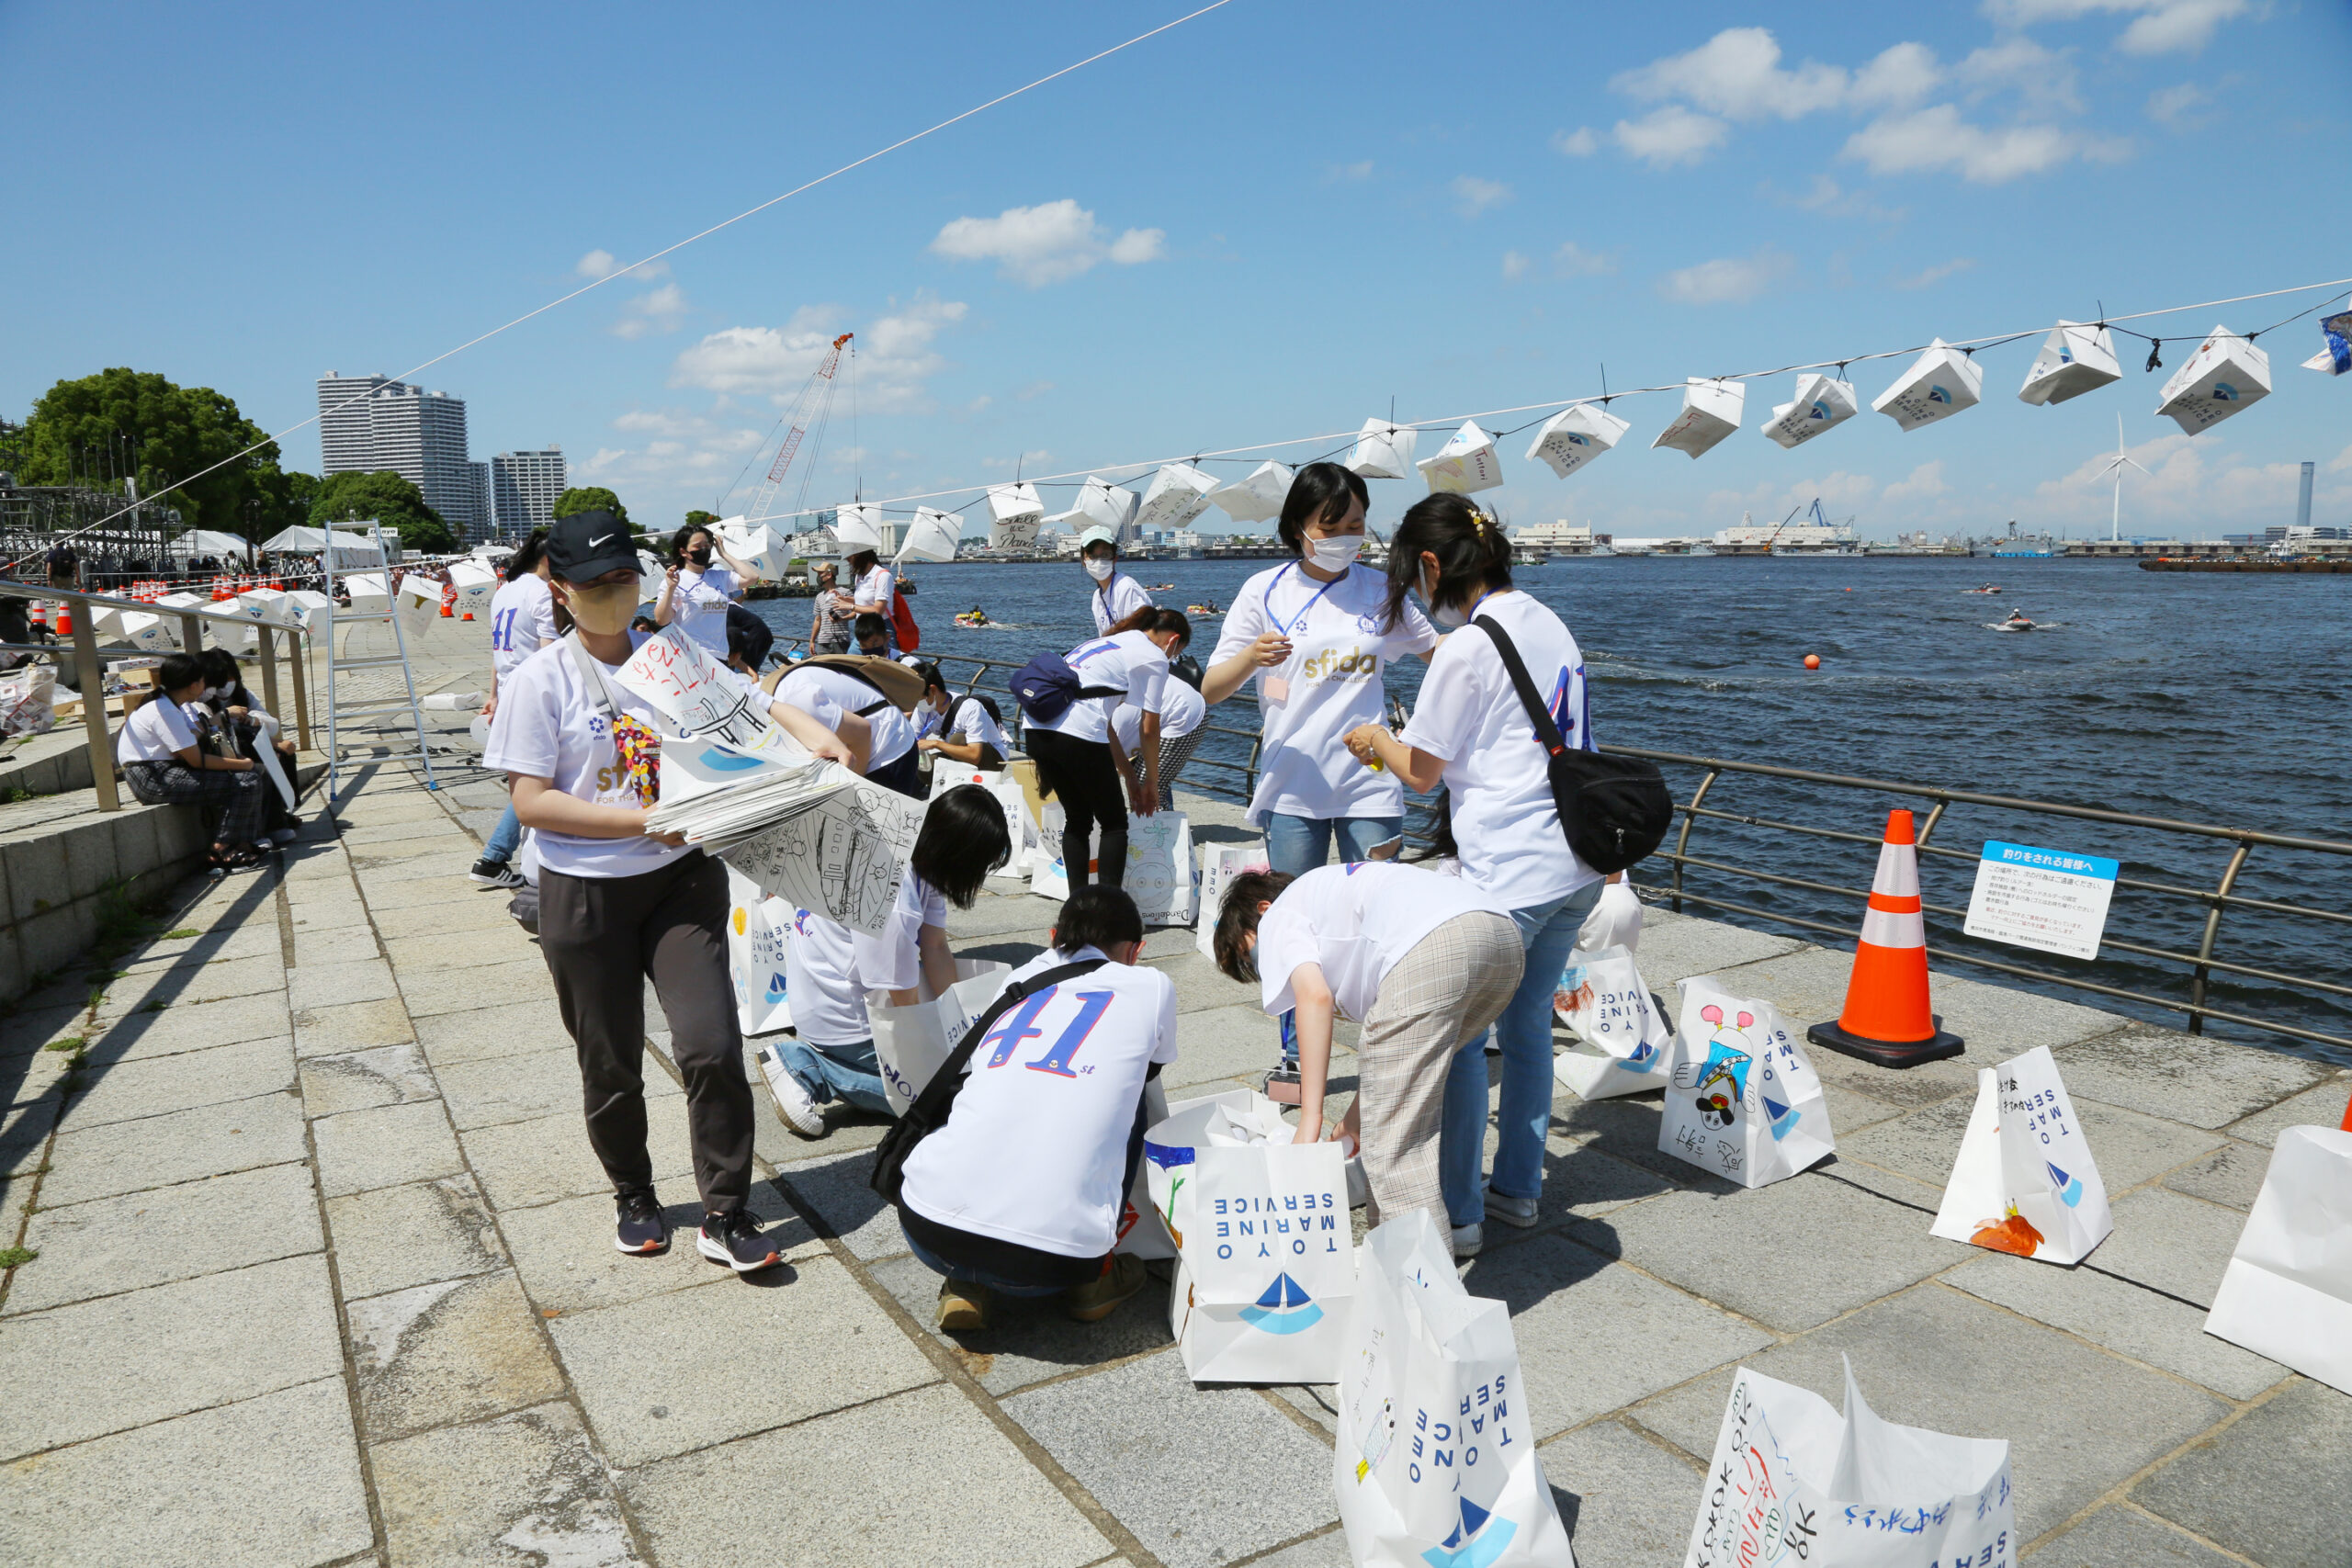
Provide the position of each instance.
(598, 540)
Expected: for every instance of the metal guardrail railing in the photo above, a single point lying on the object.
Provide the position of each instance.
(2215, 901)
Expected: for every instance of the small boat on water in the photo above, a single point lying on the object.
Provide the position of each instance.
(2019, 621)
(1203, 610)
(1988, 587)
(1159, 587)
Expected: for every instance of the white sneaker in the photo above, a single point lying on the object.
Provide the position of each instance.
(1520, 1211)
(794, 1105)
(1468, 1239)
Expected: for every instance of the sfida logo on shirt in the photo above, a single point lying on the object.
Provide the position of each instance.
(1331, 664)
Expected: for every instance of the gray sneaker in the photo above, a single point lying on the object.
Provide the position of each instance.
(1468, 1239)
(1519, 1212)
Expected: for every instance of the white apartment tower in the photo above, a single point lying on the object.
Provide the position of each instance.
(523, 489)
(367, 424)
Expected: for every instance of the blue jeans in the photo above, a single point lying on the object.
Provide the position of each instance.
(1524, 1032)
(837, 1072)
(1296, 845)
(504, 839)
(975, 1276)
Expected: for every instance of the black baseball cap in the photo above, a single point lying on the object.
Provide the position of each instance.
(586, 545)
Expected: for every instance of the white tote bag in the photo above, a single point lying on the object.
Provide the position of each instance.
(2025, 1182)
(1019, 830)
(1384, 450)
(2076, 358)
(1268, 1266)
(1159, 876)
(1220, 864)
(2226, 375)
(1711, 410)
(757, 929)
(1048, 878)
(911, 1041)
(1940, 383)
(1821, 403)
(1623, 1042)
(1575, 436)
(1615, 920)
(1434, 1454)
(1795, 1485)
(1744, 1101)
(2287, 1293)
(1466, 463)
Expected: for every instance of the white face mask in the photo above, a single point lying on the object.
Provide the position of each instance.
(1446, 615)
(1099, 569)
(1338, 553)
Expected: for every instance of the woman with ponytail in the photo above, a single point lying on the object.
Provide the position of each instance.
(1471, 732)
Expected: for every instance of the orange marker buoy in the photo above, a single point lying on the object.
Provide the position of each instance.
(1888, 1019)
(1812, 662)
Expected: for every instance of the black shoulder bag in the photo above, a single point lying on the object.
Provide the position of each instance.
(1614, 810)
(933, 1105)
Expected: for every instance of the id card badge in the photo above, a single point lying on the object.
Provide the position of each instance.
(1273, 688)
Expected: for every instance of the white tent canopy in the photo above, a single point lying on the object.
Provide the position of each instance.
(350, 549)
(211, 542)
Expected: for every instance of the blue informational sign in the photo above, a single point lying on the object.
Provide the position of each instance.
(2052, 900)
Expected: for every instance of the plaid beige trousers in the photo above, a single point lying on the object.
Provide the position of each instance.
(1454, 982)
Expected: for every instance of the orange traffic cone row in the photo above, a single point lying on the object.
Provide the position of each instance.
(1886, 1019)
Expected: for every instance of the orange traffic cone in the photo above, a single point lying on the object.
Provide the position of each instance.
(1886, 1019)
(65, 620)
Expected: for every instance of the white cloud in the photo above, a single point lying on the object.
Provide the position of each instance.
(1925, 483)
(1672, 135)
(2158, 27)
(1515, 266)
(1573, 260)
(1051, 243)
(1737, 74)
(2177, 106)
(1729, 281)
(896, 355)
(1938, 139)
(1472, 195)
(1578, 144)
(596, 264)
(1352, 172)
(2042, 77)
(1928, 278)
(1901, 75)
(2190, 491)
(664, 310)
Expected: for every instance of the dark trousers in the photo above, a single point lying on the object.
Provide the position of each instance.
(604, 937)
(1080, 774)
(1008, 1265)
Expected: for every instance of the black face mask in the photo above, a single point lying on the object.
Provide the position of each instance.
(700, 557)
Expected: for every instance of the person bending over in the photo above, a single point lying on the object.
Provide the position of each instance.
(1019, 1193)
(966, 729)
(873, 635)
(882, 736)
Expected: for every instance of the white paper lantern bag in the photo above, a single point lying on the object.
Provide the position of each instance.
(2076, 358)
(1101, 504)
(911, 1043)
(1615, 920)
(1014, 511)
(1711, 410)
(1822, 403)
(1574, 438)
(308, 607)
(1159, 876)
(143, 631)
(2226, 375)
(651, 575)
(1220, 864)
(757, 545)
(861, 526)
(2025, 1182)
(1622, 1040)
(1465, 464)
(1940, 383)
(757, 929)
(1384, 450)
(1744, 1101)
(1178, 493)
(367, 590)
(475, 582)
(1256, 498)
(2288, 1293)
(932, 536)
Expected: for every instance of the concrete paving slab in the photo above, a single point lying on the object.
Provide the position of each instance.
(211, 1139)
(1627, 1502)
(1673, 951)
(908, 1482)
(2183, 1077)
(495, 983)
(451, 952)
(341, 944)
(524, 1087)
(2259, 1487)
(484, 909)
(991, 915)
(1558, 1291)
(1200, 1476)
(1215, 1044)
(652, 1388)
(24, 1139)
(384, 1147)
(330, 985)
(326, 907)
(244, 935)
(1851, 1111)
(129, 1035)
(565, 1254)
(390, 1238)
(848, 1130)
(431, 831)
(121, 1361)
(2079, 1421)
(524, 1162)
(1710, 1246)
(837, 1190)
(1199, 986)
(2131, 1148)
(351, 1026)
(2230, 1176)
(1624, 1129)
(2117, 1534)
(272, 1482)
(1997, 1023)
(112, 1245)
(389, 1074)
(374, 865)
(28, 1031)
(1029, 1341)
(521, 1488)
(1329, 1550)
(415, 893)
(1580, 1181)
(2322, 1105)
(189, 984)
(475, 1035)
(2171, 1242)
(453, 1350)
(126, 1091)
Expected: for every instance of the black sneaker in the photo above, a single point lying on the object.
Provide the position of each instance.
(490, 872)
(734, 1238)
(642, 1228)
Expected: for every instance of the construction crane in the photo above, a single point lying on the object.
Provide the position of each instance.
(809, 412)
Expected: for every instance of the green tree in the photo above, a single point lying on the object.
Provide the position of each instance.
(590, 498)
(282, 500)
(387, 496)
(121, 422)
(701, 519)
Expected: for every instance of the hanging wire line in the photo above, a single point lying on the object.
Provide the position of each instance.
(682, 244)
(1347, 438)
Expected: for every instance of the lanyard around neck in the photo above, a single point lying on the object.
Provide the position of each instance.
(1295, 621)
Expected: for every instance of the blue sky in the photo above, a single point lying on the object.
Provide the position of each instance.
(1266, 223)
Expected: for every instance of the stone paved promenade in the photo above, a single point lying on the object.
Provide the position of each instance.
(325, 1276)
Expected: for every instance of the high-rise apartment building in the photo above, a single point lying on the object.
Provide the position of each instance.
(485, 520)
(346, 435)
(367, 424)
(524, 488)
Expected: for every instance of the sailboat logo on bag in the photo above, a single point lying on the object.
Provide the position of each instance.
(2069, 1188)
(1937, 394)
(1782, 1117)
(1478, 1541)
(775, 986)
(1285, 1308)
(2225, 393)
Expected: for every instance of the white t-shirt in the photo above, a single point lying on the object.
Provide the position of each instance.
(894, 732)
(874, 592)
(1130, 664)
(698, 606)
(1037, 1151)
(1181, 711)
(1116, 600)
(1469, 714)
(522, 621)
(548, 727)
(156, 733)
(828, 968)
(1330, 684)
(971, 722)
(1355, 921)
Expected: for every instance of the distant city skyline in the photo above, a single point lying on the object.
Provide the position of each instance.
(367, 423)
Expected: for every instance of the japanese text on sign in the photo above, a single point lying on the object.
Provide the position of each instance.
(2050, 900)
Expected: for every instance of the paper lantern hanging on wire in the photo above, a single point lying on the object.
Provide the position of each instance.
(1256, 498)
(861, 526)
(1384, 450)
(756, 545)
(2335, 355)
(1822, 402)
(2225, 374)
(1178, 493)
(2076, 358)
(1575, 436)
(1100, 505)
(651, 575)
(932, 536)
(1465, 464)
(1014, 511)
(1940, 383)
(1711, 410)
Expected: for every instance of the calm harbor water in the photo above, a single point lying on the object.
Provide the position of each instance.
(2207, 698)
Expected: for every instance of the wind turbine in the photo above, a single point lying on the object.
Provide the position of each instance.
(2116, 464)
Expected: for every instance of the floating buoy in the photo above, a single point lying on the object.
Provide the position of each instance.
(1812, 662)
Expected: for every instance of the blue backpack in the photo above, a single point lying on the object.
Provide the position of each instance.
(1047, 685)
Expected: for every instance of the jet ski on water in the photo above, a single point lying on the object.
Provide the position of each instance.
(1988, 587)
(2019, 621)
